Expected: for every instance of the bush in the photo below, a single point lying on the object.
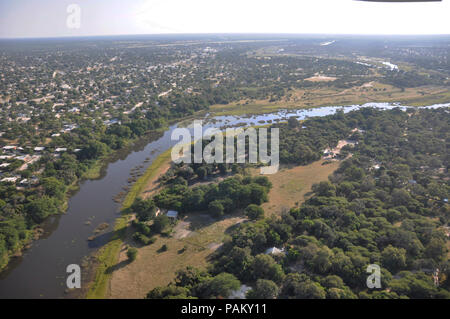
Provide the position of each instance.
(216, 208)
(144, 240)
(264, 289)
(160, 223)
(132, 254)
(254, 212)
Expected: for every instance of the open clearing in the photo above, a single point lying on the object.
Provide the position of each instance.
(328, 96)
(193, 241)
(291, 186)
(321, 78)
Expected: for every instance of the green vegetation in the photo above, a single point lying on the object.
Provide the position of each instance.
(132, 254)
(108, 254)
(385, 205)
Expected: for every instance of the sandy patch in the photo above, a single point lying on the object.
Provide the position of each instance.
(153, 185)
(321, 78)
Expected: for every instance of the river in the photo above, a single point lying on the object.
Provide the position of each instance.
(41, 271)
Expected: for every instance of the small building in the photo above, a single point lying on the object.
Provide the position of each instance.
(172, 214)
(61, 149)
(274, 251)
(9, 180)
(39, 148)
(9, 148)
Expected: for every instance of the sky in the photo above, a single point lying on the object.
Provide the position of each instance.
(51, 18)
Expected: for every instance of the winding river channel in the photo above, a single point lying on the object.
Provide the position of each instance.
(41, 271)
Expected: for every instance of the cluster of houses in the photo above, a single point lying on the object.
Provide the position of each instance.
(10, 154)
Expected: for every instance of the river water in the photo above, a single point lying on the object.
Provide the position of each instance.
(41, 271)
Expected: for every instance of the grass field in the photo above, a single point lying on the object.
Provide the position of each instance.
(317, 97)
(290, 186)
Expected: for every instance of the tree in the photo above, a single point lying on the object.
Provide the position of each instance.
(94, 150)
(264, 289)
(189, 277)
(393, 258)
(160, 223)
(132, 254)
(400, 197)
(202, 172)
(144, 209)
(293, 122)
(258, 194)
(300, 286)
(53, 187)
(219, 286)
(265, 267)
(216, 208)
(169, 292)
(436, 249)
(254, 212)
(41, 208)
(324, 188)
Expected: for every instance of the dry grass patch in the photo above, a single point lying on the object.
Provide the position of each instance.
(321, 78)
(193, 241)
(291, 185)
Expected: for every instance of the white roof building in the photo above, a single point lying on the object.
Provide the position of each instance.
(274, 251)
(9, 179)
(172, 214)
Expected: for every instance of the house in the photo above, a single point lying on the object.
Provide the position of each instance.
(274, 251)
(9, 180)
(172, 214)
(9, 148)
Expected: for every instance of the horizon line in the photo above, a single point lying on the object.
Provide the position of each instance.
(226, 33)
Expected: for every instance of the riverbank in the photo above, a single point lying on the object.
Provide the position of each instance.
(371, 92)
(108, 255)
(34, 233)
(95, 170)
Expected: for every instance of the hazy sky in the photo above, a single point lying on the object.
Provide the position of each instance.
(48, 18)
